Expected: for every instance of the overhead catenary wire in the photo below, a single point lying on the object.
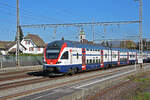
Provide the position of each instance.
(29, 14)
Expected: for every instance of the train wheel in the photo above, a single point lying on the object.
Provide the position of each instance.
(71, 71)
(76, 70)
(110, 65)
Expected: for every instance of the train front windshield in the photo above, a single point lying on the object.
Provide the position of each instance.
(52, 53)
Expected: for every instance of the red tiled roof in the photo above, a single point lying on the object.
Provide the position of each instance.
(36, 40)
(5, 45)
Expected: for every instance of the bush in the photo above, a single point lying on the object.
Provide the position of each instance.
(31, 54)
(142, 96)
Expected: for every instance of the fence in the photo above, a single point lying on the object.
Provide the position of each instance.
(10, 61)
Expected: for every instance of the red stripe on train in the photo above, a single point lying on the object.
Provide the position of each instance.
(102, 62)
(54, 61)
(83, 59)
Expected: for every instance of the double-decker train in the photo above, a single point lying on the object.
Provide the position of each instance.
(69, 57)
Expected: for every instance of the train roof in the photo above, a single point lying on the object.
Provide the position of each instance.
(76, 44)
(59, 43)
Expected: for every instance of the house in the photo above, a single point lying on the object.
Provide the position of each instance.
(12, 49)
(9, 47)
(5, 46)
(33, 44)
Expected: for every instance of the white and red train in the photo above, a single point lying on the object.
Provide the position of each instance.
(70, 57)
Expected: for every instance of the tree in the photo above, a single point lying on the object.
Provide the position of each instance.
(103, 43)
(129, 44)
(21, 34)
(107, 44)
(62, 38)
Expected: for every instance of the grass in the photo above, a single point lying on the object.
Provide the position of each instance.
(143, 79)
(141, 96)
(29, 55)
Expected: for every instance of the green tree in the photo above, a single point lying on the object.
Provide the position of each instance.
(129, 44)
(21, 34)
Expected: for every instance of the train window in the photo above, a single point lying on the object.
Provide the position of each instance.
(123, 59)
(97, 61)
(90, 61)
(87, 61)
(65, 55)
(130, 56)
(114, 55)
(77, 55)
(52, 53)
(93, 60)
(105, 55)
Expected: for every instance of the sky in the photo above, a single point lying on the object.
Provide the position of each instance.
(73, 11)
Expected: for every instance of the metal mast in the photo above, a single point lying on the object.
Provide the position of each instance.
(140, 29)
(93, 32)
(18, 37)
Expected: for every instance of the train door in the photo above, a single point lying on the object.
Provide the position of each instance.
(70, 56)
(107, 57)
(127, 57)
(83, 59)
(110, 57)
(102, 60)
(136, 58)
(118, 58)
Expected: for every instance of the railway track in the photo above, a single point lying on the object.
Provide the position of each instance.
(22, 83)
(15, 72)
(18, 75)
(46, 79)
(30, 81)
(14, 77)
(39, 80)
(44, 88)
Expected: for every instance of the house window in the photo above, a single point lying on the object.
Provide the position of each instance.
(27, 42)
(31, 49)
(39, 49)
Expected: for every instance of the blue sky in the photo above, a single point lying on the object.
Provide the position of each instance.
(72, 11)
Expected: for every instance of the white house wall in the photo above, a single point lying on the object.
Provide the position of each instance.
(4, 52)
(31, 45)
(15, 46)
